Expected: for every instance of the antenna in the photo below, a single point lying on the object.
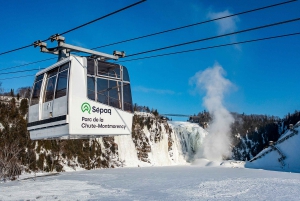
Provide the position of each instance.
(63, 50)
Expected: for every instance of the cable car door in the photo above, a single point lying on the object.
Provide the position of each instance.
(60, 102)
(47, 105)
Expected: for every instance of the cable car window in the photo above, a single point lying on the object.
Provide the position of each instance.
(108, 83)
(108, 69)
(102, 90)
(39, 77)
(36, 92)
(64, 67)
(114, 94)
(91, 88)
(125, 74)
(127, 97)
(114, 72)
(50, 89)
(62, 82)
(90, 66)
(52, 72)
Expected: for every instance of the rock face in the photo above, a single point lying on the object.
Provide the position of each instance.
(110, 153)
(148, 130)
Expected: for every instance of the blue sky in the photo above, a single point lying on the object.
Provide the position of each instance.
(265, 74)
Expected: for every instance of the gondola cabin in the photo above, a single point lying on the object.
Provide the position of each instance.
(80, 97)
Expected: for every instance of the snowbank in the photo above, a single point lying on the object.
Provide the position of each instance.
(158, 183)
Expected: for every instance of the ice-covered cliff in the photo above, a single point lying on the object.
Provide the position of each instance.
(156, 142)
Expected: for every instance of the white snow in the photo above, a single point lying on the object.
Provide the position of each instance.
(7, 99)
(290, 148)
(158, 183)
(127, 151)
(144, 114)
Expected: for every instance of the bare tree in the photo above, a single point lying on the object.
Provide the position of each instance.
(24, 92)
(10, 166)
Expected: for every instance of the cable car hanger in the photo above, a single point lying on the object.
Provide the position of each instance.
(63, 50)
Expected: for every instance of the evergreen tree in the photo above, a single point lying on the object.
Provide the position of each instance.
(24, 106)
(12, 94)
(135, 107)
(155, 112)
(1, 89)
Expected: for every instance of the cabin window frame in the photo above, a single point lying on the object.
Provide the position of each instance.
(45, 97)
(118, 80)
(45, 78)
(67, 82)
(38, 79)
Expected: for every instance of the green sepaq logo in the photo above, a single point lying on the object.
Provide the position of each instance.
(86, 107)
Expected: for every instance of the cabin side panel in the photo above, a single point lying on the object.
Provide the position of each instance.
(89, 117)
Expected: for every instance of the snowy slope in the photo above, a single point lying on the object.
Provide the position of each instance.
(282, 156)
(158, 183)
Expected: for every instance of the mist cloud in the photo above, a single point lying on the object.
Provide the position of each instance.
(216, 145)
(225, 25)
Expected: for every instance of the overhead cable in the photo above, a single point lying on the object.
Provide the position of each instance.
(192, 50)
(20, 71)
(27, 64)
(16, 77)
(216, 46)
(195, 24)
(218, 36)
(177, 115)
(70, 30)
(100, 18)
(198, 49)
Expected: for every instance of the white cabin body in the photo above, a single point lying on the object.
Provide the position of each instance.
(80, 97)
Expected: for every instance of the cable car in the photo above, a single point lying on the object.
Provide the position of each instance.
(80, 96)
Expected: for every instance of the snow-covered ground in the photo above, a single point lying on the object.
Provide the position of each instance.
(190, 182)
